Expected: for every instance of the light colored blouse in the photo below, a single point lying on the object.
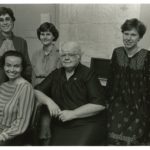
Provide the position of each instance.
(16, 106)
(43, 64)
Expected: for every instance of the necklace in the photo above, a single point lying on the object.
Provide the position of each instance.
(47, 50)
(132, 52)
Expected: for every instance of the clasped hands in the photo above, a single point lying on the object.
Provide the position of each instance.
(64, 115)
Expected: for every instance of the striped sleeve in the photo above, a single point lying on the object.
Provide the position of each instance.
(25, 108)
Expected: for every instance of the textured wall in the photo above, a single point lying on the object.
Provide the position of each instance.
(95, 26)
(28, 19)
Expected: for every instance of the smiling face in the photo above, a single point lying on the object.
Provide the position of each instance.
(13, 67)
(6, 23)
(131, 38)
(70, 55)
(46, 38)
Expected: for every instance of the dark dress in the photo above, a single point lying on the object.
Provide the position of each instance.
(82, 87)
(128, 92)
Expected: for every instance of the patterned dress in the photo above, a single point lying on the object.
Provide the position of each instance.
(128, 92)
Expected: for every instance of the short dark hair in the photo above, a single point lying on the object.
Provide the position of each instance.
(46, 26)
(16, 54)
(134, 23)
(5, 10)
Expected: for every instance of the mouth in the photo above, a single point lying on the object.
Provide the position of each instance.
(67, 62)
(45, 40)
(11, 74)
(5, 27)
(128, 43)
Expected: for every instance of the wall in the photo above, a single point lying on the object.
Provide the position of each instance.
(145, 17)
(28, 19)
(96, 26)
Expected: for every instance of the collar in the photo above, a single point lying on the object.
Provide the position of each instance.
(3, 38)
(77, 69)
(49, 52)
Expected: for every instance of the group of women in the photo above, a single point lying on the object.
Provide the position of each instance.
(127, 90)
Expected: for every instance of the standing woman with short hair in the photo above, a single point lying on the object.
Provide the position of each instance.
(128, 88)
(44, 61)
(9, 41)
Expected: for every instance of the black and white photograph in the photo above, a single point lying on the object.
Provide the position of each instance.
(75, 74)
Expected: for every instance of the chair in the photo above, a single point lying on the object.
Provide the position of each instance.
(101, 67)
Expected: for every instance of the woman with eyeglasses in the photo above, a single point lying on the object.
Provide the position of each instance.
(9, 41)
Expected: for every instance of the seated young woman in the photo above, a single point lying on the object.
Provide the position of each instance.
(16, 99)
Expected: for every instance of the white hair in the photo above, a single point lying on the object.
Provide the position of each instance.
(71, 45)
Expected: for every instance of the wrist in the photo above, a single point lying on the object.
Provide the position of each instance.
(2, 138)
(75, 116)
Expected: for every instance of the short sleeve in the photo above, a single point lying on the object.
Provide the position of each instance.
(94, 89)
(46, 84)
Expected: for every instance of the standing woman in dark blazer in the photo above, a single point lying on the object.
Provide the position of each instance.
(8, 41)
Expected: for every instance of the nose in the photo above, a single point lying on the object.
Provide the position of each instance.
(5, 21)
(129, 37)
(11, 69)
(44, 36)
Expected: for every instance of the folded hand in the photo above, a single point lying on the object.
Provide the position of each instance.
(67, 115)
(53, 109)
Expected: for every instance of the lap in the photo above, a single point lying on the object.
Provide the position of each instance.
(93, 133)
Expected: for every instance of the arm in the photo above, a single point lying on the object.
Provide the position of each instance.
(43, 94)
(111, 76)
(25, 108)
(52, 106)
(146, 103)
(28, 70)
(33, 62)
(86, 110)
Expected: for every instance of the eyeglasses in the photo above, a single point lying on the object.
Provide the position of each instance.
(69, 55)
(8, 19)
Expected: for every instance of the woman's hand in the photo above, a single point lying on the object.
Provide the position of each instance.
(53, 108)
(67, 115)
(2, 139)
(44, 99)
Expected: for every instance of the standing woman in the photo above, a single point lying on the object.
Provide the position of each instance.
(16, 100)
(128, 88)
(8, 41)
(44, 61)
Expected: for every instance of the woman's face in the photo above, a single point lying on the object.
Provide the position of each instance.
(13, 67)
(131, 38)
(6, 23)
(46, 38)
(69, 56)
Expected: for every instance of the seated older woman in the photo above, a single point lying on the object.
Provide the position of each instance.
(16, 99)
(76, 101)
